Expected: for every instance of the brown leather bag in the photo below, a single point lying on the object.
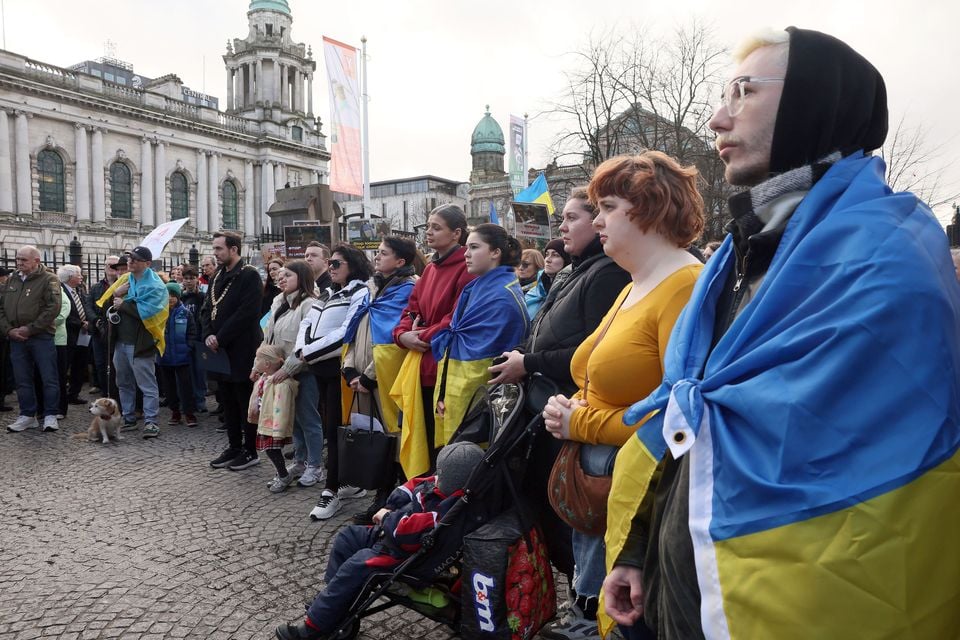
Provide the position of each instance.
(579, 499)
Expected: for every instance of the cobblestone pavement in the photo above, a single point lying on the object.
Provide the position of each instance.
(141, 539)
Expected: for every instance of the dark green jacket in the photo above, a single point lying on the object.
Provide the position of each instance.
(33, 302)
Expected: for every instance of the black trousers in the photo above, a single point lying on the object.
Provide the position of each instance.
(178, 384)
(331, 416)
(78, 360)
(235, 397)
(63, 367)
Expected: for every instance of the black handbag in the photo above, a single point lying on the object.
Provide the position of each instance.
(367, 456)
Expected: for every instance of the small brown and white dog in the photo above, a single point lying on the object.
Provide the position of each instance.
(105, 423)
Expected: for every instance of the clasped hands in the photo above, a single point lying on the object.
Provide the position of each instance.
(556, 415)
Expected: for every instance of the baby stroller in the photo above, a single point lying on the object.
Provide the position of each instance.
(429, 580)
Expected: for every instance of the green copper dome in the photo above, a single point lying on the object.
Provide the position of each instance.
(272, 5)
(487, 136)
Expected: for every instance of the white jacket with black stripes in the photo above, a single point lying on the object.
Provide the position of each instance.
(322, 330)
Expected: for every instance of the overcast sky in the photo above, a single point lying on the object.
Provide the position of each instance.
(434, 64)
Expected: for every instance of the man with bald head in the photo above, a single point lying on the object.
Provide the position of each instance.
(808, 425)
(28, 313)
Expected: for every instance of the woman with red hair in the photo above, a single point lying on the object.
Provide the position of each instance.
(649, 211)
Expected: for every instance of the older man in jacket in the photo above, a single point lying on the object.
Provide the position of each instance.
(31, 302)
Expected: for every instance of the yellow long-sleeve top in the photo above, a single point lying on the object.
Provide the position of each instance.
(628, 363)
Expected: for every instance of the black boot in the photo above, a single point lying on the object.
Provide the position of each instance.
(298, 631)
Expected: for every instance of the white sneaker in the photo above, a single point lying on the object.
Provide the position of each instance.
(23, 423)
(297, 468)
(347, 492)
(312, 475)
(327, 507)
(50, 424)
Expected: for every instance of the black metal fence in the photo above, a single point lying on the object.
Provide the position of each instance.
(91, 264)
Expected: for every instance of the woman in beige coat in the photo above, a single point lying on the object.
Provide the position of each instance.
(297, 293)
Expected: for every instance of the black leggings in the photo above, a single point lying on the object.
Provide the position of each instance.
(276, 457)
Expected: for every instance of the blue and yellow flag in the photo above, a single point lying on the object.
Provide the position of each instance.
(537, 192)
(384, 311)
(822, 431)
(407, 394)
(153, 302)
(490, 318)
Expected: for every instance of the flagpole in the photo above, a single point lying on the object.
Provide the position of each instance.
(365, 131)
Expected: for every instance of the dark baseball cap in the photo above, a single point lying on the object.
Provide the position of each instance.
(141, 253)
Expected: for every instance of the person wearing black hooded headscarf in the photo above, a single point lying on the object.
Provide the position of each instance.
(795, 371)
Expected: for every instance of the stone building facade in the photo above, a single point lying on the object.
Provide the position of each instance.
(106, 162)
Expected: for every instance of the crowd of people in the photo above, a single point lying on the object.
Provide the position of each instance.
(750, 415)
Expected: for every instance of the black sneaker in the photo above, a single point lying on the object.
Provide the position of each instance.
(224, 458)
(366, 517)
(221, 428)
(244, 460)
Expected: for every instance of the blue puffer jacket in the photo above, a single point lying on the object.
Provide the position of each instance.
(181, 333)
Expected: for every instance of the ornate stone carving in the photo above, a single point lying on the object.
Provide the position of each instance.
(121, 155)
(50, 143)
(179, 165)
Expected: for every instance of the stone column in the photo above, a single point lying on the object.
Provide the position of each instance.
(213, 192)
(202, 191)
(146, 183)
(230, 105)
(99, 213)
(81, 192)
(160, 183)
(6, 170)
(299, 91)
(283, 86)
(259, 81)
(271, 196)
(310, 95)
(278, 171)
(249, 222)
(22, 155)
(266, 173)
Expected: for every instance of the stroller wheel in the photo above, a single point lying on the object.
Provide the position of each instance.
(349, 633)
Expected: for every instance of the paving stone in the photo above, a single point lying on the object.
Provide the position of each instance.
(142, 540)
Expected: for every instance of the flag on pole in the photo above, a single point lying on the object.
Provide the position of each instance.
(494, 219)
(537, 192)
(346, 166)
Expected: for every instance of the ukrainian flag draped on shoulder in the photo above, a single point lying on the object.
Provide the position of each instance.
(490, 318)
(153, 306)
(823, 428)
(384, 312)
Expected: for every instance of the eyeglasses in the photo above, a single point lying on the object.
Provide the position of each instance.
(335, 264)
(524, 265)
(736, 91)
(111, 266)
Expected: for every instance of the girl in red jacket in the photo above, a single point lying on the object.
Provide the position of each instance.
(430, 309)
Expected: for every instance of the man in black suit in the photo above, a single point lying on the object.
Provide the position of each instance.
(78, 327)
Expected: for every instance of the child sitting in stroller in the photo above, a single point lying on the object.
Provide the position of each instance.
(412, 511)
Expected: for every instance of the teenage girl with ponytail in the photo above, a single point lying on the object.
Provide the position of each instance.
(490, 318)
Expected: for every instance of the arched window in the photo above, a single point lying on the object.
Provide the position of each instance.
(121, 188)
(50, 170)
(229, 205)
(179, 196)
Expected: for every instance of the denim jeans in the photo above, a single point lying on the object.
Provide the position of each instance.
(348, 568)
(589, 551)
(134, 373)
(307, 427)
(199, 376)
(38, 352)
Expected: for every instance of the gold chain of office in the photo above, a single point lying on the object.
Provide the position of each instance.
(213, 294)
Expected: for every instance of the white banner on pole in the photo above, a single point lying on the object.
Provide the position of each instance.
(346, 165)
(157, 239)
